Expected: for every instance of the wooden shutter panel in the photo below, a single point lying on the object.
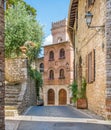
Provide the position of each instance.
(90, 2)
(87, 68)
(93, 1)
(93, 65)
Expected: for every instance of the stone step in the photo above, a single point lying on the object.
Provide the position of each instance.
(11, 94)
(12, 90)
(13, 107)
(11, 113)
(11, 102)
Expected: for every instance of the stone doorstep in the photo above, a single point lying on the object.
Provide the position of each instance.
(11, 113)
(11, 107)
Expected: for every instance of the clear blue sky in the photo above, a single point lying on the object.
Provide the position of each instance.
(49, 11)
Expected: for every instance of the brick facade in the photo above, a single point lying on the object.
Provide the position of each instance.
(2, 86)
(57, 83)
(85, 41)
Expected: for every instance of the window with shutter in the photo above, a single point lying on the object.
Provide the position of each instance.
(41, 67)
(90, 67)
(62, 53)
(51, 55)
(61, 74)
(51, 75)
(90, 2)
(93, 65)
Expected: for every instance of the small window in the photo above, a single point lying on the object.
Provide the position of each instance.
(51, 55)
(61, 74)
(41, 67)
(90, 2)
(51, 74)
(62, 54)
(59, 39)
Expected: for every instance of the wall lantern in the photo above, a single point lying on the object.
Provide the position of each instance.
(2, 3)
(67, 66)
(88, 18)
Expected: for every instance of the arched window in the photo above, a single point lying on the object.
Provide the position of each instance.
(61, 74)
(62, 53)
(51, 74)
(51, 55)
(41, 67)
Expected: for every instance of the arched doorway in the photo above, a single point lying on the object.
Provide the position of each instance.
(51, 97)
(62, 97)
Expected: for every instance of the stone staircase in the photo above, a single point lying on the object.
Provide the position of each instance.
(12, 93)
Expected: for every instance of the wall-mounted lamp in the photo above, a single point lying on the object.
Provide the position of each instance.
(67, 66)
(2, 3)
(88, 18)
(102, 45)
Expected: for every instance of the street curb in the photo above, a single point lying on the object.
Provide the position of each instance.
(18, 122)
(28, 109)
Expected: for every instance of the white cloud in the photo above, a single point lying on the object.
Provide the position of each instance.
(48, 40)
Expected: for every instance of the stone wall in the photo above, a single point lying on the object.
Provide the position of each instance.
(27, 95)
(17, 72)
(108, 58)
(2, 86)
(88, 39)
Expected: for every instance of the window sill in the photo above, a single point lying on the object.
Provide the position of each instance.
(50, 79)
(51, 59)
(62, 58)
(61, 77)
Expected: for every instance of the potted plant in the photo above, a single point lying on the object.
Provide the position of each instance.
(82, 100)
(74, 90)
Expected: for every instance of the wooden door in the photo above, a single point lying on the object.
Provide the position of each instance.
(51, 97)
(62, 97)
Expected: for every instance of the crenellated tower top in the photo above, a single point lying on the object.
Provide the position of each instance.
(59, 31)
(59, 24)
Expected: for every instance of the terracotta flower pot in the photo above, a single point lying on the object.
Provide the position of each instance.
(82, 103)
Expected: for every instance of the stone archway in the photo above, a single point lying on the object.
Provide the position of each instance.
(62, 97)
(51, 97)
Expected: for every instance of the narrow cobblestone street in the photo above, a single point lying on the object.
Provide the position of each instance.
(59, 118)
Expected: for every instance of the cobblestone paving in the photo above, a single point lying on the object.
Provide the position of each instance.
(60, 126)
(61, 111)
(55, 111)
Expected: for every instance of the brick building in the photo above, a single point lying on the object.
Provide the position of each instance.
(92, 48)
(58, 66)
(2, 87)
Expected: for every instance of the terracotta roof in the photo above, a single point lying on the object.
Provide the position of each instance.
(72, 12)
